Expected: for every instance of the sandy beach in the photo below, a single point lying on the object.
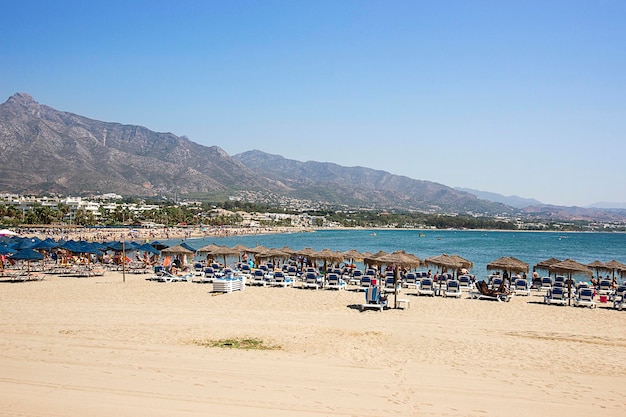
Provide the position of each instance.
(102, 347)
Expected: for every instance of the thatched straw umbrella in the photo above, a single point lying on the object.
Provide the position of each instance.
(508, 263)
(454, 262)
(177, 250)
(614, 265)
(352, 255)
(399, 259)
(306, 253)
(272, 253)
(570, 266)
(546, 264)
(329, 256)
(225, 251)
(598, 266)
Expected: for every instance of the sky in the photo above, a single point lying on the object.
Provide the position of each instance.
(523, 98)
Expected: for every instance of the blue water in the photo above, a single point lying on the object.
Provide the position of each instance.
(480, 247)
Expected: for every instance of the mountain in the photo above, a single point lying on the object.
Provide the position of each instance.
(46, 150)
(607, 205)
(364, 187)
(513, 200)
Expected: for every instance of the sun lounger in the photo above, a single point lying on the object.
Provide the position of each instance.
(373, 299)
(390, 284)
(555, 296)
(426, 287)
(619, 298)
(584, 298)
(365, 283)
(410, 280)
(334, 282)
(229, 283)
(521, 287)
(546, 283)
(282, 280)
(355, 277)
(453, 289)
(483, 292)
(258, 278)
(312, 280)
(604, 288)
(465, 282)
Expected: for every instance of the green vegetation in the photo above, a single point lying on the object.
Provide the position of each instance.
(238, 343)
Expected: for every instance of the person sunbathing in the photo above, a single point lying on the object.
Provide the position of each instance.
(484, 289)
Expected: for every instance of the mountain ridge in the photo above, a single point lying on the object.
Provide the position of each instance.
(46, 150)
(367, 185)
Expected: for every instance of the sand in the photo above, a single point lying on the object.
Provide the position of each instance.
(101, 347)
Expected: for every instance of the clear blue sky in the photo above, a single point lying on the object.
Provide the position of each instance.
(514, 97)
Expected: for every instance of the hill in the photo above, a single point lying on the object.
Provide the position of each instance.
(364, 187)
(512, 200)
(43, 150)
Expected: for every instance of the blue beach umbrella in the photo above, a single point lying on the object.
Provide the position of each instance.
(27, 255)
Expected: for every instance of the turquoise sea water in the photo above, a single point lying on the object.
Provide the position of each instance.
(480, 247)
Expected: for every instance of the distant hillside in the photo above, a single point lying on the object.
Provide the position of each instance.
(46, 150)
(607, 205)
(513, 200)
(551, 212)
(364, 187)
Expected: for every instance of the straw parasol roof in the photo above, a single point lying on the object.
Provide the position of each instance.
(598, 266)
(449, 261)
(352, 254)
(208, 248)
(614, 265)
(257, 249)
(328, 255)
(272, 253)
(570, 266)
(241, 248)
(546, 264)
(400, 258)
(177, 250)
(307, 253)
(508, 263)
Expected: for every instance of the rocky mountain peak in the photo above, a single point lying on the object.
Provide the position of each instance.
(22, 99)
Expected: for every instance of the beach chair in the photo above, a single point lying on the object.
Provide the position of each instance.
(495, 281)
(390, 284)
(619, 299)
(334, 282)
(365, 283)
(521, 287)
(604, 288)
(355, 277)
(208, 274)
(426, 287)
(374, 299)
(584, 298)
(453, 289)
(258, 278)
(481, 291)
(465, 282)
(555, 296)
(292, 271)
(559, 281)
(281, 280)
(546, 283)
(312, 280)
(410, 280)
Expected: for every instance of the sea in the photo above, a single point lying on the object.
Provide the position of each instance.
(480, 247)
